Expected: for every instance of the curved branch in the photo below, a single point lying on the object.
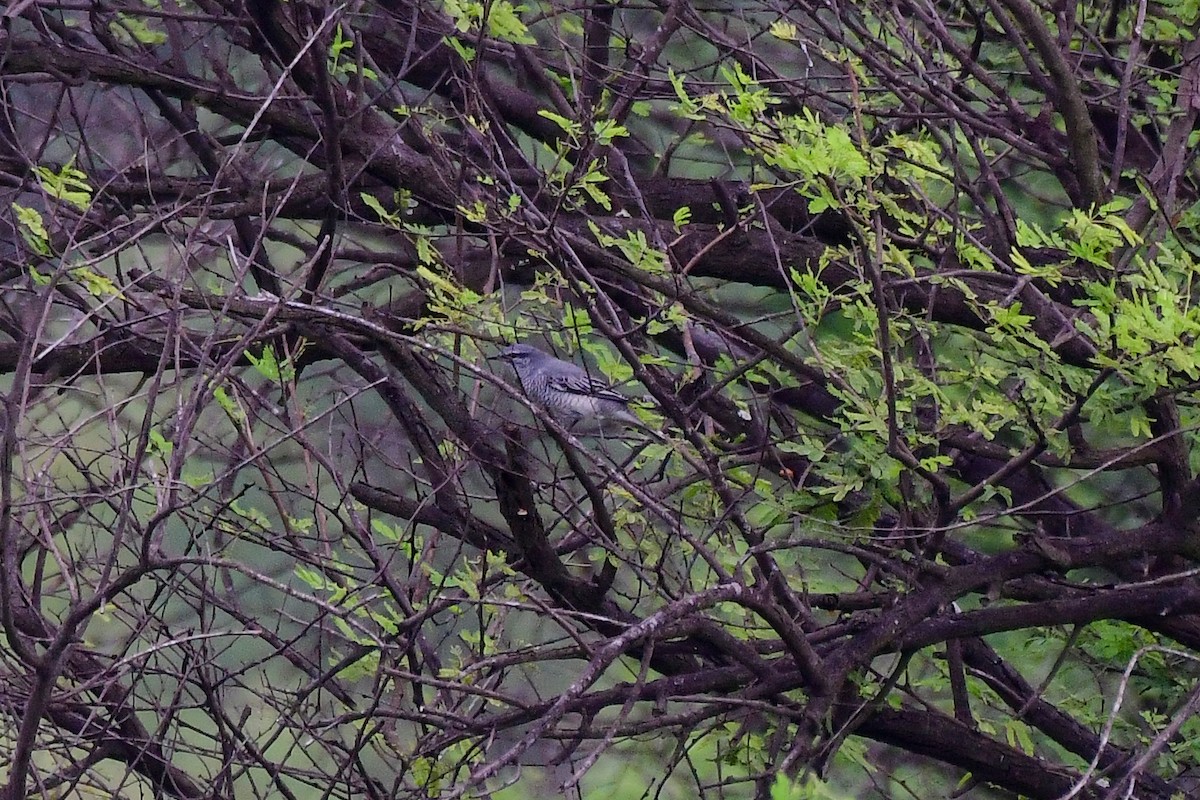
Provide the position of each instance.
(1068, 98)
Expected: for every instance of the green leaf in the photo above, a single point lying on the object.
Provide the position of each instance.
(504, 22)
(787, 31)
(467, 54)
(228, 404)
(605, 130)
(681, 217)
(33, 230)
(372, 202)
(68, 184)
(96, 284)
(338, 66)
(160, 444)
(267, 364)
(387, 531)
(568, 125)
(636, 248)
(129, 29)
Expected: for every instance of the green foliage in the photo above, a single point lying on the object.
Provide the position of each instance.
(401, 199)
(69, 184)
(341, 63)
(130, 29)
(33, 231)
(271, 367)
(229, 404)
(457, 303)
(499, 18)
(636, 248)
(96, 284)
(160, 444)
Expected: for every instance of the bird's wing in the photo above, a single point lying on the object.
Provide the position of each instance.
(587, 386)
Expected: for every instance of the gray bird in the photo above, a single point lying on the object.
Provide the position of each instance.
(561, 386)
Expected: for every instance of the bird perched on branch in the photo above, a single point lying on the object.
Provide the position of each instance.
(563, 387)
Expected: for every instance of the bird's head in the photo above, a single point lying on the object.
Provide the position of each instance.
(518, 354)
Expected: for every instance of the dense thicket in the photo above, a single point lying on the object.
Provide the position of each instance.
(903, 292)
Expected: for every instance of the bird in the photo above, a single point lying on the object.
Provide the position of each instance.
(561, 386)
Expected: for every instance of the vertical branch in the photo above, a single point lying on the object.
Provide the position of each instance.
(1068, 98)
